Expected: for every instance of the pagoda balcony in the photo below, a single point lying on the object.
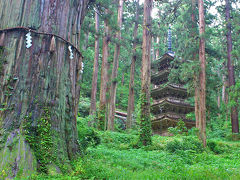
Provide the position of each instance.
(172, 116)
(164, 121)
(171, 104)
(172, 90)
(163, 62)
(160, 77)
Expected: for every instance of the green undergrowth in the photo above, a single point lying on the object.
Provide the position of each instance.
(178, 157)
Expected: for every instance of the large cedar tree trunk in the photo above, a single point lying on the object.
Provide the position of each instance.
(104, 76)
(202, 75)
(95, 67)
(132, 72)
(39, 86)
(145, 118)
(113, 87)
(231, 78)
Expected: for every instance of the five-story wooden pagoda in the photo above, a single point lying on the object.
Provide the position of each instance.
(169, 104)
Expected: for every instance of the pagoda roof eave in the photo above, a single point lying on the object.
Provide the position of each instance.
(162, 59)
(172, 101)
(166, 120)
(160, 75)
(168, 87)
(166, 105)
(173, 117)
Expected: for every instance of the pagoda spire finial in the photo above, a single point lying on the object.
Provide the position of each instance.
(170, 52)
(169, 39)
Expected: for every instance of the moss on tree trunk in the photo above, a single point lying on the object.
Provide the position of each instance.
(145, 116)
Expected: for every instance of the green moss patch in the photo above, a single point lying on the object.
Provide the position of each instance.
(40, 139)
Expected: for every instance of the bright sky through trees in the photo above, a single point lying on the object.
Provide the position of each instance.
(213, 10)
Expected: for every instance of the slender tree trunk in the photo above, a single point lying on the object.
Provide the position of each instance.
(104, 76)
(39, 85)
(157, 51)
(231, 78)
(224, 87)
(95, 67)
(153, 50)
(131, 82)
(121, 93)
(219, 99)
(202, 75)
(108, 87)
(85, 45)
(158, 41)
(113, 87)
(145, 118)
(196, 75)
(197, 94)
(224, 92)
(122, 80)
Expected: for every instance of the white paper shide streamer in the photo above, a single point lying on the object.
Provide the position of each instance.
(82, 66)
(28, 40)
(70, 51)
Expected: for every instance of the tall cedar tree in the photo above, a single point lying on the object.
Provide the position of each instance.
(131, 82)
(231, 78)
(202, 74)
(42, 85)
(104, 75)
(113, 87)
(145, 118)
(95, 66)
(194, 58)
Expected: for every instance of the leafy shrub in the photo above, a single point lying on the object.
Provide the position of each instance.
(187, 143)
(116, 137)
(174, 145)
(179, 129)
(84, 106)
(212, 145)
(154, 147)
(193, 131)
(119, 125)
(217, 148)
(87, 135)
(233, 137)
(3, 174)
(218, 127)
(78, 167)
(118, 140)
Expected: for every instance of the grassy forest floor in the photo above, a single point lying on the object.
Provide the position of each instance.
(117, 156)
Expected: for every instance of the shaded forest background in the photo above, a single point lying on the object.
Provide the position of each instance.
(177, 14)
(58, 103)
